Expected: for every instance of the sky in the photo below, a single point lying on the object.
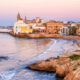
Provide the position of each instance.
(63, 10)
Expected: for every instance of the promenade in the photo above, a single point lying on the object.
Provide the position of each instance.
(44, 35)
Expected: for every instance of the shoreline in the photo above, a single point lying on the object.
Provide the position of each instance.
(39, 36)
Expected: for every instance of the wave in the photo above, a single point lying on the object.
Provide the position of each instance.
(57, 47)
(7, 75)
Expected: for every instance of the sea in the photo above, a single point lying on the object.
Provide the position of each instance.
(21, 52)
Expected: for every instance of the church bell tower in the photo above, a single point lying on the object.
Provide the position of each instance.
(19, 17)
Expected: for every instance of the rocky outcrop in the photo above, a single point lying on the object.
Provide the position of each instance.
(74, 75)
(68, 67)
(45, 65)
(3, 58)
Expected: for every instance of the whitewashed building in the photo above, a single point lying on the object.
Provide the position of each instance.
(64, 30)
(21, 27)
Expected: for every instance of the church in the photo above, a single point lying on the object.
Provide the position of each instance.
(29, 26)
(21, 27)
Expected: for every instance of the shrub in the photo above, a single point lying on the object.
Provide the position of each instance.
(58, 57)
(74, 69)
(74, 57)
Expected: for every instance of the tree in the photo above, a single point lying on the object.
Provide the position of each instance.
(72, 30)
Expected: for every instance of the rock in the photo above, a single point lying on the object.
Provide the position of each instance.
(3, 58)
(62, 66)
(64, 69)
(68, 66)
(48, 65)
(74, 75)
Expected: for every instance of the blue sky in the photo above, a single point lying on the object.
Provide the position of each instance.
(64, 10)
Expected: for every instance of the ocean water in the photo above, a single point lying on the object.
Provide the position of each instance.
(22, 51)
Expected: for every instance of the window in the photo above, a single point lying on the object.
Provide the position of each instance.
(16, 27)
(30, 27)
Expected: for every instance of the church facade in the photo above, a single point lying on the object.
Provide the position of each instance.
(21, 27)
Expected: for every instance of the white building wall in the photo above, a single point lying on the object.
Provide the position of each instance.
(38, 27)
(17, 24)
(64, 30)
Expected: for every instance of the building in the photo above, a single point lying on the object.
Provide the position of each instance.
(29, 21)
(78, 29)
(73, 24)
(53, 27)
(38, 20)
(19, 17)
(39, 28)
(21, 27)
(64, 30)
(68, 29)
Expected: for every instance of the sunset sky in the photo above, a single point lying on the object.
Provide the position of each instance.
(64, 10)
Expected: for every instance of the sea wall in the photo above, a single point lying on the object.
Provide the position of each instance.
(44, 35)
(51, 36)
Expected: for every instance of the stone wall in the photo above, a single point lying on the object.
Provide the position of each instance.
(44, 36)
